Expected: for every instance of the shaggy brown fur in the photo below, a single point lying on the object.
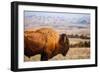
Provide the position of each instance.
(45, 41)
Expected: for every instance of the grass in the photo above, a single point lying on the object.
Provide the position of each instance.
(78, 53)
(77, 40)
(73, 53)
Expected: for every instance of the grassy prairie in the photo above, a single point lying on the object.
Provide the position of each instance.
(73, 53)
(77, 40)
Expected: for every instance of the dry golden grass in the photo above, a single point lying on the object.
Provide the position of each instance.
(73, 53)
(33, 58)
(77, 40)
(78, 53)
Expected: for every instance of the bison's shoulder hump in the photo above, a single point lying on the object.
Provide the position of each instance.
(52, 35)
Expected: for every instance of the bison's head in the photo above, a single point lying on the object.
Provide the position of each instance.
(64, 44)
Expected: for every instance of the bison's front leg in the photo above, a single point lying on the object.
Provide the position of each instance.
(44, 56)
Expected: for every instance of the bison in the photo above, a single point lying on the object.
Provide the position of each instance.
(45, 41)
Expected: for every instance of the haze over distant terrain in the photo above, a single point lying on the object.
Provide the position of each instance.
(71, 23)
